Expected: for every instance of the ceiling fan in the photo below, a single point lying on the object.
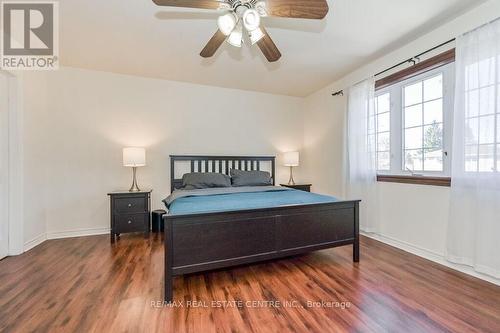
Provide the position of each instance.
(245, 15)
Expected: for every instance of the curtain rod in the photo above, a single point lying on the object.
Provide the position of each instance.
(412, 59)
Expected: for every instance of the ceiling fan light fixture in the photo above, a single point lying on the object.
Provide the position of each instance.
(260, 7)
(255, 35)
(227, 23)
(251, 19)
(239, 15)
(236, 37)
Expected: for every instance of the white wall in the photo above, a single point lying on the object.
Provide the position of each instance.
(77, 121)
(413, 216)
(324, 140)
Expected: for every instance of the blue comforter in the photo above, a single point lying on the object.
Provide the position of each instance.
(200, 201)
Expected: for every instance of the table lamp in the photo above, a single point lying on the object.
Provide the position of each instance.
(134, 157)
(291, 159)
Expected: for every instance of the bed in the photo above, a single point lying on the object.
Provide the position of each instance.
(217, 228)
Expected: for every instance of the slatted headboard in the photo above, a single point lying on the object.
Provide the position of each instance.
(220, 164)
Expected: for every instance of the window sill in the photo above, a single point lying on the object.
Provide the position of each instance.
(416, 180)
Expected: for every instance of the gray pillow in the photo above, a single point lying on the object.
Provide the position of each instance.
(199, 180)
(250, 178)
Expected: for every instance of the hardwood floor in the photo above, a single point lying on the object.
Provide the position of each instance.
(89, 285)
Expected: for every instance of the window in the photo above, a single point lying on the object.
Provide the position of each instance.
(413, 124)
(423, 124)
(383, 131)
(482, 117)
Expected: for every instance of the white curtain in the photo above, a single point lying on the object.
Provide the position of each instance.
(361, 158)
(474, 219)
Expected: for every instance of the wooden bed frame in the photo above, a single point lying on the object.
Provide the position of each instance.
(202, 242)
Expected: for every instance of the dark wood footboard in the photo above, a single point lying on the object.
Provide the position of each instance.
(201, 242)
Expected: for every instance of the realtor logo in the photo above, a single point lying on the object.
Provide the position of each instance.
(30, 35)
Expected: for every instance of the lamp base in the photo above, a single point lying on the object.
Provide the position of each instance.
(291, 181)
(134, 187)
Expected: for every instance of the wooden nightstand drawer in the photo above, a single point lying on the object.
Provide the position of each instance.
(130, 212)
(130, 223)
(131, 205)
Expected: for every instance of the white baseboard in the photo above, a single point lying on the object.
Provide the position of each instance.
(430, 255)
(35, 241)
(64, 234)
(77, 233)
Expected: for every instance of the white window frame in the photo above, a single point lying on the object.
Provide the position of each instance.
(396, 92)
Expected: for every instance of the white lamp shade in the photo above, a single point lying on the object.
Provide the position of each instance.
(134, 157)
(291, 158)
(226, 23)
(251, 19)
(236, 37)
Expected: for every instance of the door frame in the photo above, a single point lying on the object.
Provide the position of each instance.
(4, 160)
(15, 224)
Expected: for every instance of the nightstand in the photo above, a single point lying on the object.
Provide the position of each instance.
(130, 212)
(301, 187)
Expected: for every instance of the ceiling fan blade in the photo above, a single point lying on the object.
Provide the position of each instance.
(203, 4)
(268, 47)
(307, 9)
(213, 44)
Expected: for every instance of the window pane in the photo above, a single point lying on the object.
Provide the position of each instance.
(487, 100)
(433, 136)
(433, 88)
(486, 156)
(472, 131)
(486, 74)
(471, 158)
(472, 76)
(498, 69)
(384, 161)
(413, 138)
(433, 160)
(384, 103)
(413, 94)
(498, 95)
(383, 127)
(371, 125)
(487, 129)
(384, 142)
(498, 158)
(498, 126)
(433, 112)
(383, 122)
(413, 116)
(413, 160)
(370, 143)
(472, 103)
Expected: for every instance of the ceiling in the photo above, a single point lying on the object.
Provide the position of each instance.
(139, 38)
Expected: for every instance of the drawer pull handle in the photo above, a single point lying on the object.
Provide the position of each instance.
(129, 222)
(129, 205)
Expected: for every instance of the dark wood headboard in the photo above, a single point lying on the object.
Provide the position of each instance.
(220, 164)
